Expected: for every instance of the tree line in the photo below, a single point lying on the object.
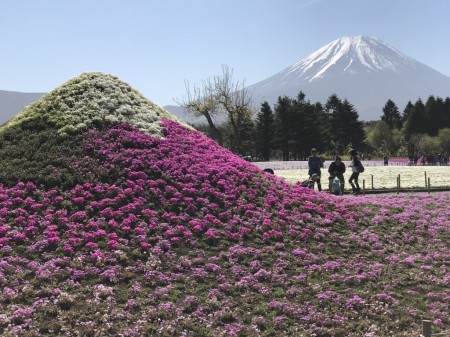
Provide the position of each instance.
(293, 125)
(422, 128)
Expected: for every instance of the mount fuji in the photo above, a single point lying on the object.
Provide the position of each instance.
(364, 70)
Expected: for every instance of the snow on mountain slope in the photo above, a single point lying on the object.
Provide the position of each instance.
(362, 69)
(354, 54)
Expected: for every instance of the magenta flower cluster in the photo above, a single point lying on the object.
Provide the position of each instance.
(177, 236)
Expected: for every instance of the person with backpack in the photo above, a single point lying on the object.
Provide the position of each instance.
(357, 168)
(336, 187)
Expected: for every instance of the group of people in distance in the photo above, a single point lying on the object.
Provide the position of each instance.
(336, 181)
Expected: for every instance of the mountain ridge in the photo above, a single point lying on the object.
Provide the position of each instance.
(362, 69)
(12, 102)
(357, 48)
(345, 67)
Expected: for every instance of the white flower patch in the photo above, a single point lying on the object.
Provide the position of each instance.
(91, 99)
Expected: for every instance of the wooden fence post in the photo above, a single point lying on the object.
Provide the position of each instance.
(428, 185)
(364, 186)
(425, 179)
(372, 180)
(426, 328)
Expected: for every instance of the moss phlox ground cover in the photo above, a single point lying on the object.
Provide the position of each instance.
(176, 236)
(94, 98)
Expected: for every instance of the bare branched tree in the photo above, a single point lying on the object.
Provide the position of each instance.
(221, 95)
(202, 102)
(236, 101)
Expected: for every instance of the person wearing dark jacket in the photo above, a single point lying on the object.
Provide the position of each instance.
(315, 163)
(356, 170)
(337, 170)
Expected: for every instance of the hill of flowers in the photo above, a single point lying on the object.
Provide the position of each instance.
(93, 99)
(133, 234)
(38, 143)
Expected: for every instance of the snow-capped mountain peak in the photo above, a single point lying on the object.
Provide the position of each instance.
(349, 54)
(365, 70)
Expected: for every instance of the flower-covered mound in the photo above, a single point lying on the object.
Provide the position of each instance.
(176, 236)
(93, 99)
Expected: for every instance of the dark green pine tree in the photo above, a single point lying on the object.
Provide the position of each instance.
(355, 134)
(247, 136)
(264, 131)
(416, 122)
(323, 127)
(407, 111)
(446, 123)
(311, 127)
(391, 115)
(301, 130)
(345, 127)
(435, 113)
(338, 129)
(283, 125)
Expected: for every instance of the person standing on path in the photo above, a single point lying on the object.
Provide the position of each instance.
(315, 163)
(357, 168)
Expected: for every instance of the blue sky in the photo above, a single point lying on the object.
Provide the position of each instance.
(155, 46)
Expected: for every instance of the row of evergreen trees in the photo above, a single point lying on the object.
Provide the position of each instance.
(419, 118)
(294, 126)
(289, 129)
(428, 118)
(422, 127)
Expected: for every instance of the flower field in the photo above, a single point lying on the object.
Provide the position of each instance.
(133, 234)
